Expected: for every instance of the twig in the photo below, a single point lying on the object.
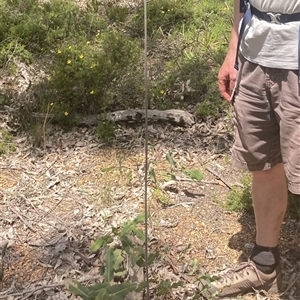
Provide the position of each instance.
(51, 243)
(50, 166)
(22, 219)
(219, 177)
(9, 289)
(3, 246)
(181, 204)
(209, 182)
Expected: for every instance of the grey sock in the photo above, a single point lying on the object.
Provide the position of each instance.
(266, 259)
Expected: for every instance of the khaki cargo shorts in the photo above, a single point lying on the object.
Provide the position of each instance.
(266, 120)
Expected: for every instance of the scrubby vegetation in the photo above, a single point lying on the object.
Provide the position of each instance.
(92, 55)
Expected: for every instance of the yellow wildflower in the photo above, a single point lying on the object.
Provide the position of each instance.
(81, 56)
(162, 92)
(88, 42)
(70, 47)
(58, 51)
(69, 61)
(66, 113)
(92, 92)
(51, 104)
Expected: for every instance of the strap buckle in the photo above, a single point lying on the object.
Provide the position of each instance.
(274, 18)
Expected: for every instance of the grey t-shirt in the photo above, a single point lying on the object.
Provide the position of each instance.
(269, 44)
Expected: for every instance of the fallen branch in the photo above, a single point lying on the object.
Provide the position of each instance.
(219, 177)
(173, 116)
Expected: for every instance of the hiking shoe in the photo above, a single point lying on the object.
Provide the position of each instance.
(243, 279)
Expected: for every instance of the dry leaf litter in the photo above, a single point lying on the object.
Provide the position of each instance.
(56, 201)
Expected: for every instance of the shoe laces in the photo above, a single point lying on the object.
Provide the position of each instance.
(239, 271)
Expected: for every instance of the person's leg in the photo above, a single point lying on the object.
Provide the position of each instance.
(269, 193)
(257, 149)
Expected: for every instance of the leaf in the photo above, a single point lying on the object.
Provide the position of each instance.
(152, 175)
(169, 176)
(98, 286)
(170, 159)
(121, 273)
(152, 257)
(119, 291)
(127, 229)
(141, 286)
(165, 286)
(194, 267)
(102, 295)
(137, 256)
(206, 281)
(177, 284)
(118, 259)
(108, 169)
(101, 241)
(109, 265)
(115, 231)
(139, 233)
(127, 244)
(139, 219)
(78, 289)
(193, 174)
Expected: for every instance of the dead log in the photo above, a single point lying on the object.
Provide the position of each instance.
(173, 116)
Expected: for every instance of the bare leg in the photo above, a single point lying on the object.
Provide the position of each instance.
(269, 192)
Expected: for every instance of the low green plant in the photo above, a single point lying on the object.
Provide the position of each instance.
(122, 249)
(294, 206)
(240, 198)
(105, 130)
(162, 197)
(175, 171)
(6, 143)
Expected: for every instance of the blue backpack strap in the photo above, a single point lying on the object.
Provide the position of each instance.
(243, 5)
(246, 9)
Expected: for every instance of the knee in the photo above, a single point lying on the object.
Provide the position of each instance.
(276, 171)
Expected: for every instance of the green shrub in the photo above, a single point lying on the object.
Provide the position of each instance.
(190, 54)
(239, 197)
(29, 27)
(105, 130)
(116, 13)
(6, 143)
(294, 206)
(186, 81)
(84, 72)
(163, 15)
(104, 69)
